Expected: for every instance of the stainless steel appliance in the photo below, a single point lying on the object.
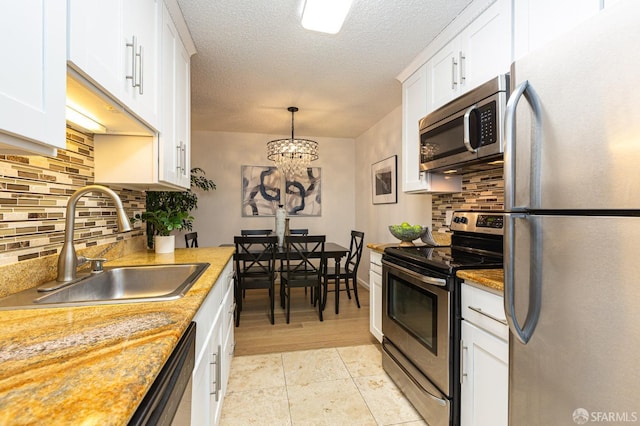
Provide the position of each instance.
(421, 312)
(572, 231)
(467, 130)
(168, 401)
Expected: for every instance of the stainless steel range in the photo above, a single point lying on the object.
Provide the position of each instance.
(421, 312)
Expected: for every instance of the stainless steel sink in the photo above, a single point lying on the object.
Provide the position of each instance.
(124, 284)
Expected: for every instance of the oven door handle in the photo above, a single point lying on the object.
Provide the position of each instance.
(439, 401)
(440, 282)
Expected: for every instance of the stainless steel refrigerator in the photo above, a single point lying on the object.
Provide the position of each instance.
(572, 233)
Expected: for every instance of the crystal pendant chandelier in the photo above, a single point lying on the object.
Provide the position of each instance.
(292, 156)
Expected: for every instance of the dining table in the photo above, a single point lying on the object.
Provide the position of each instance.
(331, 251)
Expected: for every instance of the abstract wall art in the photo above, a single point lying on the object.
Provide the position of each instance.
(262, 188)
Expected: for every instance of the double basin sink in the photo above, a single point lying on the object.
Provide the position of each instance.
(124, 284)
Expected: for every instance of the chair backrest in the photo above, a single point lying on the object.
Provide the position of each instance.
(255, 255)
(191, 239)
(304, 257)
(355, 251)
(299, 231)
(255, 232)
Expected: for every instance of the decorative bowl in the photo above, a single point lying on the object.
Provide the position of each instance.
(407, 233)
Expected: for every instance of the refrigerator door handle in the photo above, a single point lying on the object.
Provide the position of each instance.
(526, 89)
(522, 333)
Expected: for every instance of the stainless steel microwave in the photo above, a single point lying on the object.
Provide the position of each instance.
(465, 131)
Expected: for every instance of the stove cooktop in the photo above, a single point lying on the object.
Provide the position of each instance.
(445, 259)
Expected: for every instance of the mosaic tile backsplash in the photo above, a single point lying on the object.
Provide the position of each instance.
(483, 190)
(33, 196)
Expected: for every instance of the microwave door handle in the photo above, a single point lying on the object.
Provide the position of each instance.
(525, 332)
(526, 89)
(467, 129)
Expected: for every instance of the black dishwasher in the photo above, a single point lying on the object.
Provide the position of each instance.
(161, 402)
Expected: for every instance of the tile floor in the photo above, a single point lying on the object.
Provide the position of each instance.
(336, 386)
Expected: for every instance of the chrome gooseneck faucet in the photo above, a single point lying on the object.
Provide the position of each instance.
(67, 260)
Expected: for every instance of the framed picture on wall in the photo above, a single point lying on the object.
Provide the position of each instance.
(384, 181)
(262, 187)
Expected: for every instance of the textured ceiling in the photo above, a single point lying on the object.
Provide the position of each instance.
(254, 60)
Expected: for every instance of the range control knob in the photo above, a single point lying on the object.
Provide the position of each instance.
(464, 220)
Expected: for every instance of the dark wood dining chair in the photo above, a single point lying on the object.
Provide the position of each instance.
(255, 268)
(255, 232)
(296, 231)
(299, 231)
(348, 271)
(304, 266)
(191, 239)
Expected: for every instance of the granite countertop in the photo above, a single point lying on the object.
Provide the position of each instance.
(491, 278)
(94, 364)
(379, 247)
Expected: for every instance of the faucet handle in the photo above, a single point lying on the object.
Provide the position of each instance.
(96, 264)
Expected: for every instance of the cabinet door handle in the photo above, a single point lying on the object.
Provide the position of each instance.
(463, 350)
(183, 158)
(454, 64)
(133, 47)
(216, 384)
(141, 71)
(463, 72)
(179, 157)
(481, 312)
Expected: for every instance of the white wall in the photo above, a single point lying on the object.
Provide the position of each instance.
(346, 187)
(381, 141)
(221, 155)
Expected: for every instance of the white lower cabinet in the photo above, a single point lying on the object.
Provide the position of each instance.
(484, 359)
(214, 351)
(375, 295)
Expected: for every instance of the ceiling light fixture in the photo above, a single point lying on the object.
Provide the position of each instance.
(294, 155)
(84, 122)
(326, 16)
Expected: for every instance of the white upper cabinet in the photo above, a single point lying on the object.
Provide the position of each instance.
(443, 75)
(115, 45)
(481, 51)
(175, 146)
(486, 46)
(32, 77)
(142, 58)
(161, 161)
(414, 107)
(537, 22)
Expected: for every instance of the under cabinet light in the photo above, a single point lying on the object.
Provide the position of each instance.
(326, 16)
(81, 120)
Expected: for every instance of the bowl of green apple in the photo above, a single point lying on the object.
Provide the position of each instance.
(407, 233)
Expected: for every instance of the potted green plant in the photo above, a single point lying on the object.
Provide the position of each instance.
(184, 201)
(162, 223)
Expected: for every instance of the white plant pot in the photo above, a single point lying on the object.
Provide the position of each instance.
(164, 244)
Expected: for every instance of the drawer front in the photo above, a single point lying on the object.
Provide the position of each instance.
(210, 307)
(375, 264)
(485, 310)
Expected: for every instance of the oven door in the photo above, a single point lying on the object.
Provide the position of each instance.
(417, 320)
